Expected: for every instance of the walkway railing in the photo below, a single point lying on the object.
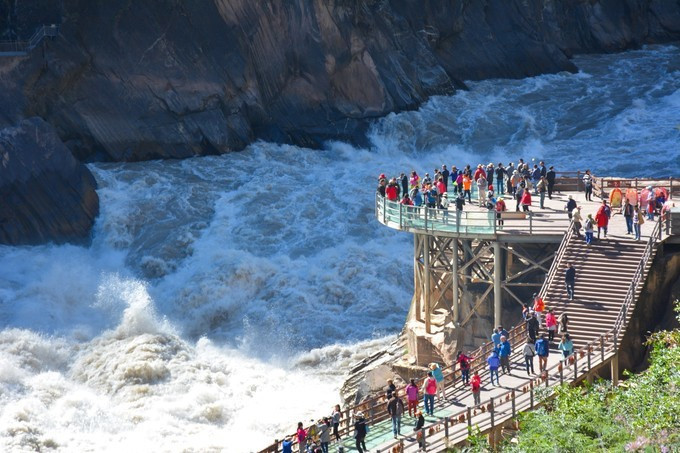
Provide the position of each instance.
(412, 218)
(552, 272)
(622, 317)
(20, 48)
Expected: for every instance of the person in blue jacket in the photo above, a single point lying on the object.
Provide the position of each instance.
(504, 351)
(494, 362)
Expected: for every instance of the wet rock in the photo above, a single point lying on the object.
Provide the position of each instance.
(47, 195)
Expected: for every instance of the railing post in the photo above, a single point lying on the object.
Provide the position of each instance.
(422, 432)
(400, 210)
(384, 203)
(588, 351)
(514, 412)
(561, 374)
(578, 181)
(547, 377)
(670, 191)
(426, 209)
(531, 223)
(575, 366)
(531, 394)
(446, 427)
(372, 411)
(276, 445)
(602, 348)
(616, 341)
(469, 417)
(491, 413)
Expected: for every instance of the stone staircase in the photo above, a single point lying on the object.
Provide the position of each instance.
(604, 272)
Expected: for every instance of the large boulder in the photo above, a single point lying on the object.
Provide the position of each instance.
(47, 195)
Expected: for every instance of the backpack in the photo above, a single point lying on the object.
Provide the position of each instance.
(431, 386)
(541, 348)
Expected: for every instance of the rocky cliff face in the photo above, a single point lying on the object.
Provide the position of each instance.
(138, 80)
(47, 195)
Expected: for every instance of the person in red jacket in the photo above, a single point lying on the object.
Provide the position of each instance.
(476, 386)
(479, 172)
(602, 218)
(392, 192)
(526, 200)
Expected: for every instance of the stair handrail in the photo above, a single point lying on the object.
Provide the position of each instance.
(636, 280)
(552, 272)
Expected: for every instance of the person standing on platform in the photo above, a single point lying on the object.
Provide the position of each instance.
(542, 351)
(532, 326)
(500, 209)
(500, 179)
(588, 181)
(564, 322)
(382, 186)
(429, 391)
(439, 377)
(390, 388)
(589, 227)
(504, 351)
(324, 434)
(551, 177)
(566, 346)
(551, 325)
(482, 186)
(459, 182)
(463, 362)
(638, 220)
(412, 397)
(467, 188)
(496, 338)
(627, 211)
(420, 423)
(476, 387)
(360, 432)
(395, 408)
(414, 180)
(336, 416)
(529, 353)
(542, 167)
(404, 184)
(542, 188)
(445, 178)
(602, 218)
(526, 200)
(570, 206)
(570, 280)
(535, 177)
(539, 307)
(494, 362)
(301, 437)
(578, 221)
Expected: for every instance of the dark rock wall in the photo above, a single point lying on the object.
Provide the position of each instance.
(131, 80)
(47, 195)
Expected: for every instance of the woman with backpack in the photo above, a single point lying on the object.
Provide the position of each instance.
(429, 390)
(566, 346)
(463, 362)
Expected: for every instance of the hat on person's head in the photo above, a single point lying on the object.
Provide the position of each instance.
(382, 176)
(360, 414)
(571, 197)
(445, 195)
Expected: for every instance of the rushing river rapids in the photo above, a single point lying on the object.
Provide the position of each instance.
(223, 298)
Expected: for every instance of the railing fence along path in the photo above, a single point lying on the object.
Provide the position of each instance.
(21, 48)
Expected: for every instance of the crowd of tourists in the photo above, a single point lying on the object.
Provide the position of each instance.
(516, 182)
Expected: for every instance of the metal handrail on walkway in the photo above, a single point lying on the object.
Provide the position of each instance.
(20, 48)
(655, 236)
(410, 218)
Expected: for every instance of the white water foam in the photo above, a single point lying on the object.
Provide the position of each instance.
(223, 298)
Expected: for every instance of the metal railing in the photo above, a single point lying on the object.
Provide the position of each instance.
(17, 48)
(422, 218)
(621, 318)
(552, 272)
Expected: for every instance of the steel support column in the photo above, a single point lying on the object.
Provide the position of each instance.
(426, 283)
(454, 282)
(497, 283)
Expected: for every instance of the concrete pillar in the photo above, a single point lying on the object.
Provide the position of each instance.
(497, 289)
(416, 280)
(426, 278)
(454, 282)
(614, 364)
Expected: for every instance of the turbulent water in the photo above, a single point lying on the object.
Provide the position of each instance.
(223, 298)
